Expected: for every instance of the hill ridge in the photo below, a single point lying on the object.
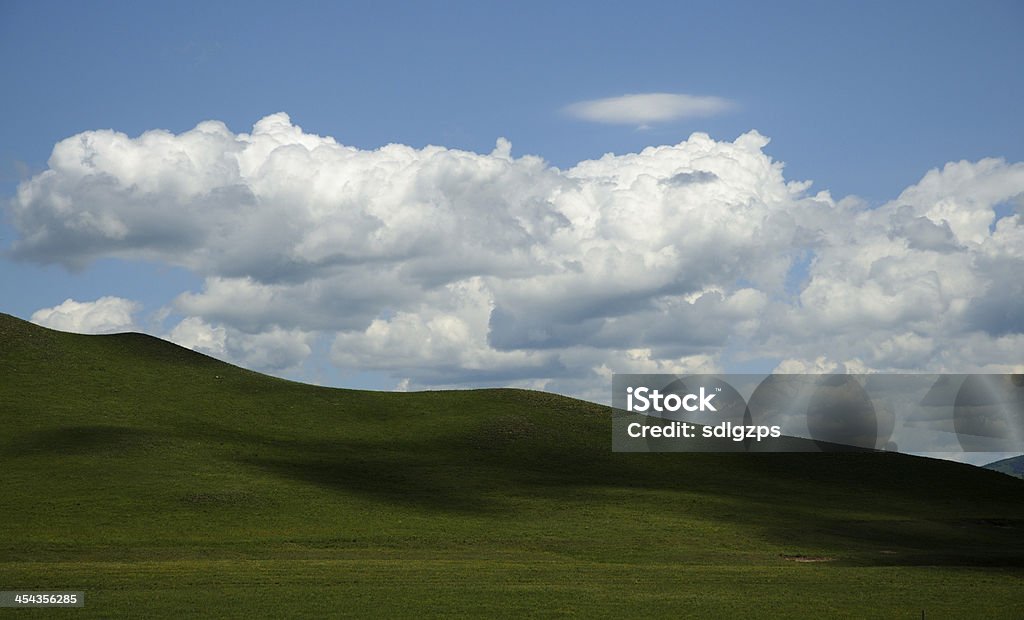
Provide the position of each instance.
(122, 455)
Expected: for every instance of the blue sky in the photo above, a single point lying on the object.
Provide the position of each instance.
(861, 98)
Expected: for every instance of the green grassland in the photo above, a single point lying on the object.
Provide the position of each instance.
(165, 483)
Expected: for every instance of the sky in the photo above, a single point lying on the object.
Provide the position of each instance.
(426, 195)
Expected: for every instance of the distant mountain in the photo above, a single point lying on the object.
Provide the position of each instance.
(1013, 466)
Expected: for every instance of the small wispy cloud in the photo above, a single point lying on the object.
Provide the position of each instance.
(647, 108)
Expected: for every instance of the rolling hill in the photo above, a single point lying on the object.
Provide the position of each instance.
(1013, 466)
(166, 483)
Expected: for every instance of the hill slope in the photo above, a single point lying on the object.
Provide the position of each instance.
(163, 482)
(1013, 466)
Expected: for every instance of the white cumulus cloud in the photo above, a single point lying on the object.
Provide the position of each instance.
(104, 316)
(274, 349)
(447, 267)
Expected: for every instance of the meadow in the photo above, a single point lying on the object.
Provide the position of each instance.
(165, 483)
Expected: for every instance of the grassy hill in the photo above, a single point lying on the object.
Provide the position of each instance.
(1013, 466)
(165, 483)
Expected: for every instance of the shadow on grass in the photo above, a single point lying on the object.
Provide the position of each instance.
(92, 439)
(873, 508)
(415, 485)
(801, 501)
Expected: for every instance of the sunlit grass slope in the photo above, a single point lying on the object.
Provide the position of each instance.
(165, 483)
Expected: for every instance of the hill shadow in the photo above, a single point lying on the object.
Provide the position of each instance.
(84, 439)
(406, 482)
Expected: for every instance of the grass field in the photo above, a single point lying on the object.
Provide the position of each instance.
(165, 483)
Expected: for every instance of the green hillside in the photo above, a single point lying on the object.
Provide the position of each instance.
(165, 483)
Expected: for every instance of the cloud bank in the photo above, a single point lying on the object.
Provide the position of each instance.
(446, 267)
(648, 108)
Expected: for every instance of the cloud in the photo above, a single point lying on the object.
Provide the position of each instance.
(444, 267)
(274, 350)
(647, 108)
(104, 316)
(194, 333)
